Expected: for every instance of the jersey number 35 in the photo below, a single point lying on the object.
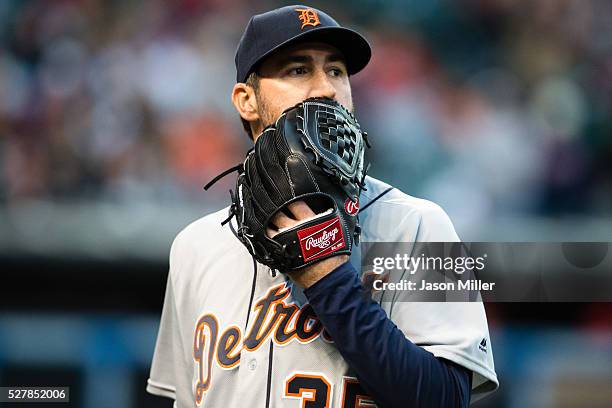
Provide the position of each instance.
(315, 391)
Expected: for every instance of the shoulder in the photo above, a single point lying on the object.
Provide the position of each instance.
(203, 239)
(408, 217)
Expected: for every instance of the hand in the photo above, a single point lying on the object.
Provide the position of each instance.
(300, 211)
(312, 274)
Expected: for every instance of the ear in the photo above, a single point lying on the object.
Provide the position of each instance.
(245, 102)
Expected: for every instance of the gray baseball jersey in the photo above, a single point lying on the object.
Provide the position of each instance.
(234, 334)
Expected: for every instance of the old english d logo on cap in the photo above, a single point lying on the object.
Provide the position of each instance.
(308, 17)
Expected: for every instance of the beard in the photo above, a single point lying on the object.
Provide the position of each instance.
(267, 117)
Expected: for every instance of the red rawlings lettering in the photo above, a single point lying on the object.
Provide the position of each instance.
(321, 239)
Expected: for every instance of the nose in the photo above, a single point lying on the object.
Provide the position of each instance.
(322, 87)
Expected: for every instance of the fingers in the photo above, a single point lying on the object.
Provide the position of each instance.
(280, 220)
(300, 211)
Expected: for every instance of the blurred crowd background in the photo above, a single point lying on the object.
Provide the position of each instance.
(114, 114)
(491, 108)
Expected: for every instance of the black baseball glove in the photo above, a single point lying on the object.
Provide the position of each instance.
(313, 153)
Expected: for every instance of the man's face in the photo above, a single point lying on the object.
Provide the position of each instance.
(299, 72)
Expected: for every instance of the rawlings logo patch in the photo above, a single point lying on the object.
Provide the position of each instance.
(351, 207)
(321, 239)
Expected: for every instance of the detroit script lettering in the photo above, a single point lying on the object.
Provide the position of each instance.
(275, 319)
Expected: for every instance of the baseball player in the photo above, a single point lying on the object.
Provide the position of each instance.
(234, 332)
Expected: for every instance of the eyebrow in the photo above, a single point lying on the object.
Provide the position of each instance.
(299, 58)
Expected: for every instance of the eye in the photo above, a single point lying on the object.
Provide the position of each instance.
(298, 71)
(336, 72)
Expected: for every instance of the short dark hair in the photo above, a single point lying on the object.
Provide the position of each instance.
(252, 81)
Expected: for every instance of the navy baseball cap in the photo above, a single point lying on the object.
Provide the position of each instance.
(266, 33)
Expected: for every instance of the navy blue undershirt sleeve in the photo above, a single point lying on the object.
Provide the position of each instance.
(392, 369)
